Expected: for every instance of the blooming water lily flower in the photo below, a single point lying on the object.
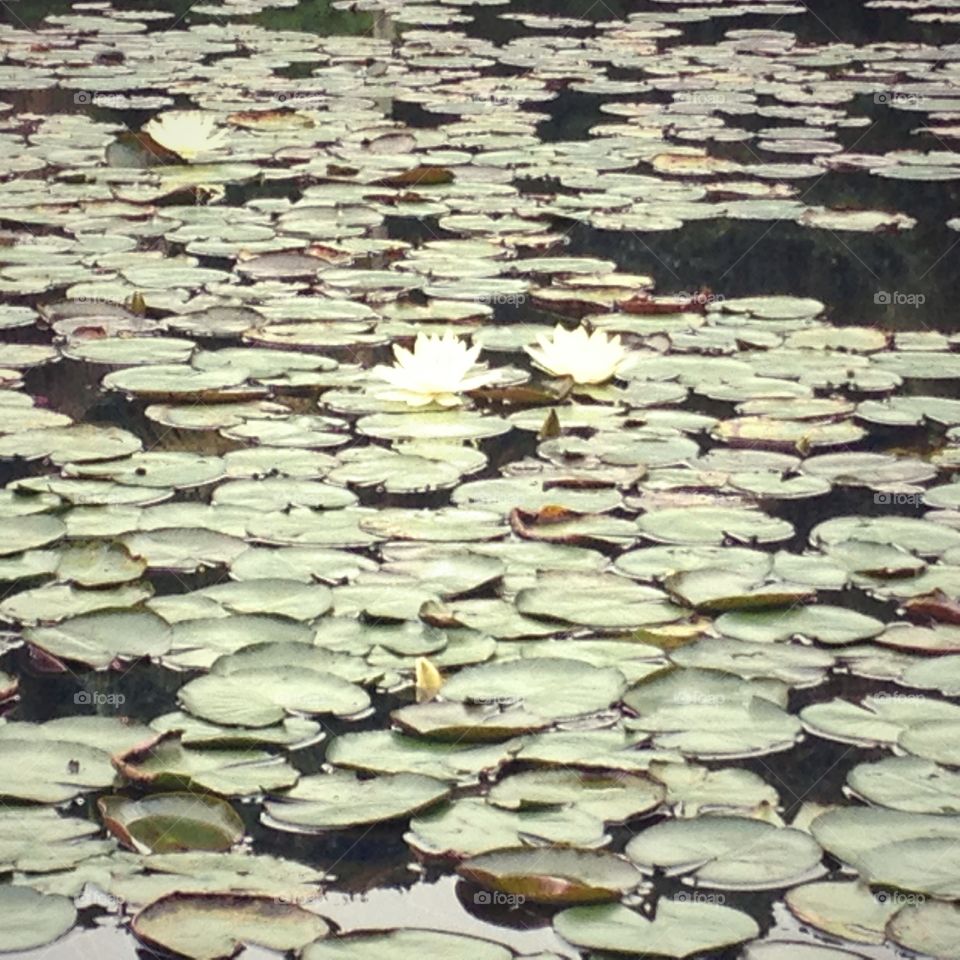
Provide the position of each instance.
(586, 357)
(186, 133)
(436, 371)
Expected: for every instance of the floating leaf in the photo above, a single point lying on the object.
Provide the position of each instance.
(166, 823)
(678, 929)
(30, 919)
(211, 926)
(341, 800)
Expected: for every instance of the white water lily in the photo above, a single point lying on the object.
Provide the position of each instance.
(436, 371)
(586, 357)
(187, 133)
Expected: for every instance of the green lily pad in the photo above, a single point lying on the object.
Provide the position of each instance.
(923, 537)
(291, 732)
(52, 771)
(213, 926)
(716, 590)
(854, 835)
(827, 624)
(937, 740)
(40, 840)
(613, 798)
(256, 697)
(405, 944)
(339, 800)
(799, 666)
(846, 909)
(466, 723)
(941, 673)
(384, 751)
(29, 532)
(929, 928)
(692, 789)
(30, 919)
(596, 600)
(231, 773)
(678, 929)
(535, 684)
(713, 525)
(469, 826)
(878, 720)
(554, 876)
(78, 443)
(98, 639)
(170, 822)
(907, 783)
(734, 853)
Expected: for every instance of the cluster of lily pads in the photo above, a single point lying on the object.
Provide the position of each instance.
(426, 530)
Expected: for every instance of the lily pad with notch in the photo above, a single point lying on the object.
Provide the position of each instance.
(341, 800)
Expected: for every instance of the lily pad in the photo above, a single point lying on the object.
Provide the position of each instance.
(678, 929)
(212, 926)
(536, 683)
(339, 800)
(170, 822)
(554, 876)
(259, 697)
(406, 944)
(469, 826)
(52, 771)
(734, 853)
(30, 919)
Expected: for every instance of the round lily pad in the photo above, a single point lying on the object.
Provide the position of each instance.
(406, 944)
(729, 852)
(614, 798)
(846, 909)
(713, 525)
(341, 800)
(52, 771)
(98, 639)
(678, 929)
(536, 684)
(259, 697)
(168, 822)
(213, 926)
(553, 875)
(907, 783)
(30, 919)
(470, 826)
(831, 625)
(928, 927)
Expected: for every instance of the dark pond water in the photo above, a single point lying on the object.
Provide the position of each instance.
(711, 98)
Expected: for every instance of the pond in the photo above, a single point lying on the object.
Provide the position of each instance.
(478, 479)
